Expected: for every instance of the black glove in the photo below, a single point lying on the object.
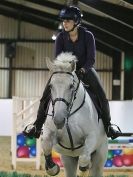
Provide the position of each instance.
(80, 73)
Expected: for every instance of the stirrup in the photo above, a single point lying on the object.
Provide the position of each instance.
(31, 131)
(113, 133)
(111, 126)
(29, 127)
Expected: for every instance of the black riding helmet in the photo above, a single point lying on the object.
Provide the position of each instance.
(71, 13)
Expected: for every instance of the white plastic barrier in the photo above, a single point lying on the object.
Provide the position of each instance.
(24, 112)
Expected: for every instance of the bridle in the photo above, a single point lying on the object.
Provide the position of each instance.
(73, 96)
(69, 108)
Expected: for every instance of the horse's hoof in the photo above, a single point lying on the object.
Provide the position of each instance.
(53, 171)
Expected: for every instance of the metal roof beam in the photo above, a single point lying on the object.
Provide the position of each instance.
(29, 18)
(107, 38)
(117, 30)
(115, 12)
(129, 1)
(47, 4)
(27, 10)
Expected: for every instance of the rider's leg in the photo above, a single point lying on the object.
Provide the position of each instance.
(35, 130)
(91, 78)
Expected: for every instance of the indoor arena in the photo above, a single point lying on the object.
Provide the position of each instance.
(66, 88)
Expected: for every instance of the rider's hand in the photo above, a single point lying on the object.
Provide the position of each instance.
(81, 73)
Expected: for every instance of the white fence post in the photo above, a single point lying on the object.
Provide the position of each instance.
(24, 112)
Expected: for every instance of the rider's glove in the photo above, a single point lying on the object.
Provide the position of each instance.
(80, 73)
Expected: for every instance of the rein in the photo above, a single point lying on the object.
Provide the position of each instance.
(68, 129)
(69, 108)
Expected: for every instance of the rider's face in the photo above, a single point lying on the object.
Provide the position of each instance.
(68, 24)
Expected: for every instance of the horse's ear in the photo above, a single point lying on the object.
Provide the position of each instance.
(73, 64)
(50, 64)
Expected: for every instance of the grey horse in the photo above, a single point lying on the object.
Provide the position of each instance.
(72, 127)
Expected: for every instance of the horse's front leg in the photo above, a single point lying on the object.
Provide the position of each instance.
(89, 148)
(70, 165)
(47, 143)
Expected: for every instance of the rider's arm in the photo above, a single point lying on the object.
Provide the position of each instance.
(90, 51)
(59, 44)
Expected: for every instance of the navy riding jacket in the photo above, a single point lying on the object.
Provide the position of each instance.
(83, 48)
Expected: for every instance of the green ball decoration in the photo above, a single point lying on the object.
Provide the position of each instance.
(30, 141)
(110, 154)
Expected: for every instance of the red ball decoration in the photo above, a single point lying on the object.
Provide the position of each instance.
(117, 161)
(127, 160)
(23, 152)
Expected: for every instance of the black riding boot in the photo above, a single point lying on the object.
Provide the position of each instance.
(36, 128)
(91, 78)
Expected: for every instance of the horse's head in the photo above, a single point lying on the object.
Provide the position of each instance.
(63, 86)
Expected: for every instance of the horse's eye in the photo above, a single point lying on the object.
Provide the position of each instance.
(71, 86)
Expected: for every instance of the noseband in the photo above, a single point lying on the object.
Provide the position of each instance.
(60, 99)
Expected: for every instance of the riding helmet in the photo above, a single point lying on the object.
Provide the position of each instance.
(71, 13)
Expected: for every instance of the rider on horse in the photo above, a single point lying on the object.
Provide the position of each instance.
(81, 43)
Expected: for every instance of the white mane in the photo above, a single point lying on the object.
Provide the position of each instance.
(66, 57)
(65, 61)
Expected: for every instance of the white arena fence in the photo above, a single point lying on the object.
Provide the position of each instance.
(120, 154)
(24, 113)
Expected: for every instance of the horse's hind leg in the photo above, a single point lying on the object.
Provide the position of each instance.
(70, 165)
(98, 161)
(47, 143)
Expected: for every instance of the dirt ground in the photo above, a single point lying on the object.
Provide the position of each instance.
(5, 163)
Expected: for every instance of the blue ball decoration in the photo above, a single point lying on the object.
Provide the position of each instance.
(20, 139)
(117, 151)
(108, 163)
(33, 151)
